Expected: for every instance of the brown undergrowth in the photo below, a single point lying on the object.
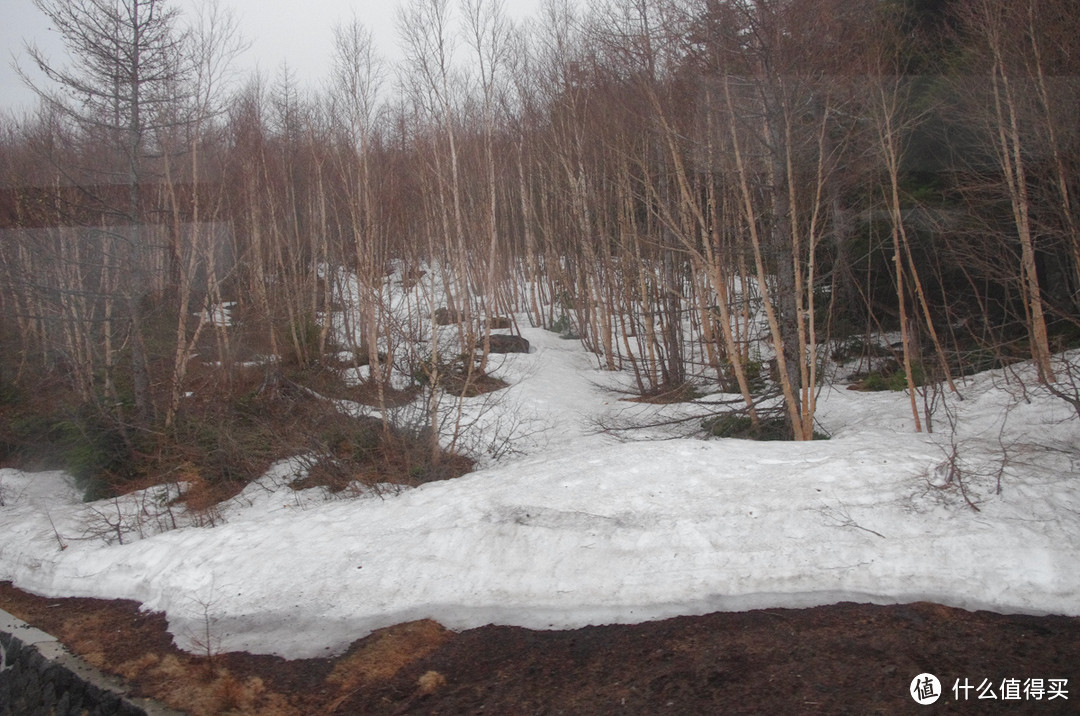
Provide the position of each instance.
(116, 637)
(233, 423)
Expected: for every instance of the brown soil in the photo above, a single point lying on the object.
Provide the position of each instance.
(846, 658)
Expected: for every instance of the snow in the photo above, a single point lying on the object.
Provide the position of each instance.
(219, 314)
(568, 524)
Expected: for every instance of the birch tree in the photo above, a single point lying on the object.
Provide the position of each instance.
(1004, 104)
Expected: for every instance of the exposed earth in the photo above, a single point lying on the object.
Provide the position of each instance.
(845, 658)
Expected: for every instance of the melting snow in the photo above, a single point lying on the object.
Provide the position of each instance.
(574, 527)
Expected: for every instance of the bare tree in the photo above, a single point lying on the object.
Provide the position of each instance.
(357, 78)
(785, 142)
(487, 32)
(1001, 36)
(891, 109)
(127, 63)
(215, 41)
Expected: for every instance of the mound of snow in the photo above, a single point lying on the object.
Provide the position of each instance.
(580, 529)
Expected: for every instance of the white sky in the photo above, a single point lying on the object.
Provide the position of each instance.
(279, 31)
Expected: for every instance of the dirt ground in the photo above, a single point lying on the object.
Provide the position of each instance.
(841, 659)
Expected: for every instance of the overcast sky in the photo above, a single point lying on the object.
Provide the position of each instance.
(294, 31)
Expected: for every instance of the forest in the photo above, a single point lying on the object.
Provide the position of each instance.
(712, 196)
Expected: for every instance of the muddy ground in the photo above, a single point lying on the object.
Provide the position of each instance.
(841, 659)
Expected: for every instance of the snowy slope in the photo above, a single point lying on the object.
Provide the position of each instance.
(574, 527)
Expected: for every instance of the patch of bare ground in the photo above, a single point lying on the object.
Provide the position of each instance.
(840, 659)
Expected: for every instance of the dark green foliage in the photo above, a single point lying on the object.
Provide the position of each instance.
(31, 439)
(564, 327)
(81, 440)
(892, 377)
(857, 347)
(755, 376)
(737, 425)
(98, 454)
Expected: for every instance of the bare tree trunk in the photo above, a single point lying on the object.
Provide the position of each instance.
(777, 332)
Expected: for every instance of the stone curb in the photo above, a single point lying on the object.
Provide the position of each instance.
(33, 661)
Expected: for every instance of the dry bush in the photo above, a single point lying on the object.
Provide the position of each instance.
(430, 682)
(189, 686)
(234, 695)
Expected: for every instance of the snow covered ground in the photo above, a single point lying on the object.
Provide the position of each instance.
(575, 526)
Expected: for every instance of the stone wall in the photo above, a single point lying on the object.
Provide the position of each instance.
(39, 676)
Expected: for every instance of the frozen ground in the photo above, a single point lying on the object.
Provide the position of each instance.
(574, 527)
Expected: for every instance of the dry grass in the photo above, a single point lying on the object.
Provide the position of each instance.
(185, 683)
(430, 682)
(182, 680)
(386, 652)
(137, 666)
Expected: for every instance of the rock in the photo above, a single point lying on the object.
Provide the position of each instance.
(444, 316)
(508, 344)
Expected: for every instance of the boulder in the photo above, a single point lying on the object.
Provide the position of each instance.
(508, 344)
(444, 316)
